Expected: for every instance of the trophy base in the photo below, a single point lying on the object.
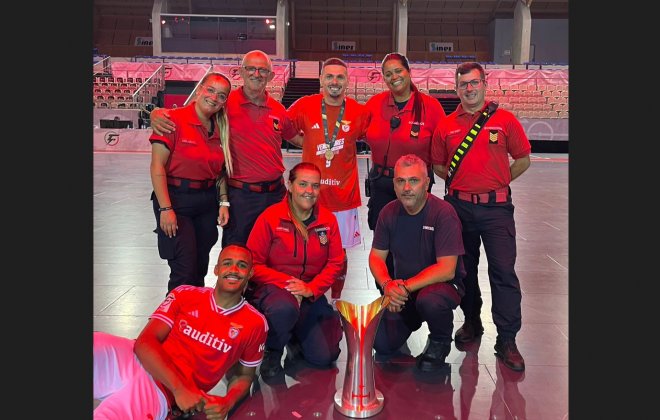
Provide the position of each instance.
(354, 411)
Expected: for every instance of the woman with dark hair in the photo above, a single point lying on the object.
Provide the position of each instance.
(188, 168)
(402, 122)
(297, 254)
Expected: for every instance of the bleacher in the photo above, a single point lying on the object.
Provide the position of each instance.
(532, 100)
(529, 100)
(116, 92)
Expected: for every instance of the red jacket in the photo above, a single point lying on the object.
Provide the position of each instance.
(280, 253)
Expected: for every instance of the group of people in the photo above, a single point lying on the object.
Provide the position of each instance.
(218, 161)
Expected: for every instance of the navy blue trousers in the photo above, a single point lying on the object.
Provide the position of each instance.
(246, 207)
(493, 224)
(187, 253)
(315, 325)
(433, 304)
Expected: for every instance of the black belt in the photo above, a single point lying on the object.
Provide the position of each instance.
(388, 172)
(191, 183)
(260, 187)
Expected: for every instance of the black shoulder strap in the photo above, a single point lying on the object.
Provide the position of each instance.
(466, 144)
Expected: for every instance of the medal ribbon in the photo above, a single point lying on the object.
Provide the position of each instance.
(331, 142)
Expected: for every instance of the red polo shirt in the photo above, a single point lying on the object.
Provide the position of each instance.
(340, 188)
(193, 154)
(486, 167)
(256, 133)
(410, 137)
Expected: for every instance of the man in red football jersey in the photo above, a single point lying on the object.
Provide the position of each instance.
(332, 123)
(190, 342)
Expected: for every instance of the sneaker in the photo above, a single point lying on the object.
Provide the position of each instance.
(433, 357)
(271, 364)
(507, 350)
(469, 330)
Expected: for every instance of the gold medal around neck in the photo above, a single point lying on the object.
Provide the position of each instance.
(329, 154)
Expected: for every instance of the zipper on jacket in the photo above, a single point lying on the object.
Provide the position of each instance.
(295, 243)
(304, 258)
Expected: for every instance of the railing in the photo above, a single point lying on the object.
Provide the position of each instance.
(150, 88)
(103, 66)
(192, 94)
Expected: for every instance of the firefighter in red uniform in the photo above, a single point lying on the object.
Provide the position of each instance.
(297, 256)
(257, 125)
(478, 188)
(402, 122)
(185, 165)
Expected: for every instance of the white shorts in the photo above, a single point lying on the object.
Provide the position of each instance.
(349, 227)
(125, 389)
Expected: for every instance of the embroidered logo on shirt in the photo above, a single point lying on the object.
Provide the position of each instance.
(356, 234)
(428, 227)
(316, 127)
(165, 306)
(321, 229)
(276, 125)
(234, 330)
(345, 128)
(492, 136)
(282, 229)
(191, 142)
(323, 238)
(454, 132)
(194, 313)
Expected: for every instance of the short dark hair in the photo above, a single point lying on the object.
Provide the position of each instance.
(334, 61)
(238, 245)
(467, 67)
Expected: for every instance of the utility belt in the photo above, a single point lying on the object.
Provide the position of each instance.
(497, 196)
(388, 172)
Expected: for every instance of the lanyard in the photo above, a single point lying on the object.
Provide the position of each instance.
(466, 144)
(328, 141)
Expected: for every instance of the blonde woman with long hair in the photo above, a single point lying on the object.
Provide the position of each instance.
(189, 168)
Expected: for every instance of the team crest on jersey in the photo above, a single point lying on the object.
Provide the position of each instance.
(276, 125)
(234, 330)
(165, 306)
(183, 324)
(323, 238)
(345, 128)
(492, 136)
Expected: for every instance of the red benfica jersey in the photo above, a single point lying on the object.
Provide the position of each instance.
(205, 340)
(486, 166)
(340, 188)
(410, 137)
(193, 154)
(256, 133)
